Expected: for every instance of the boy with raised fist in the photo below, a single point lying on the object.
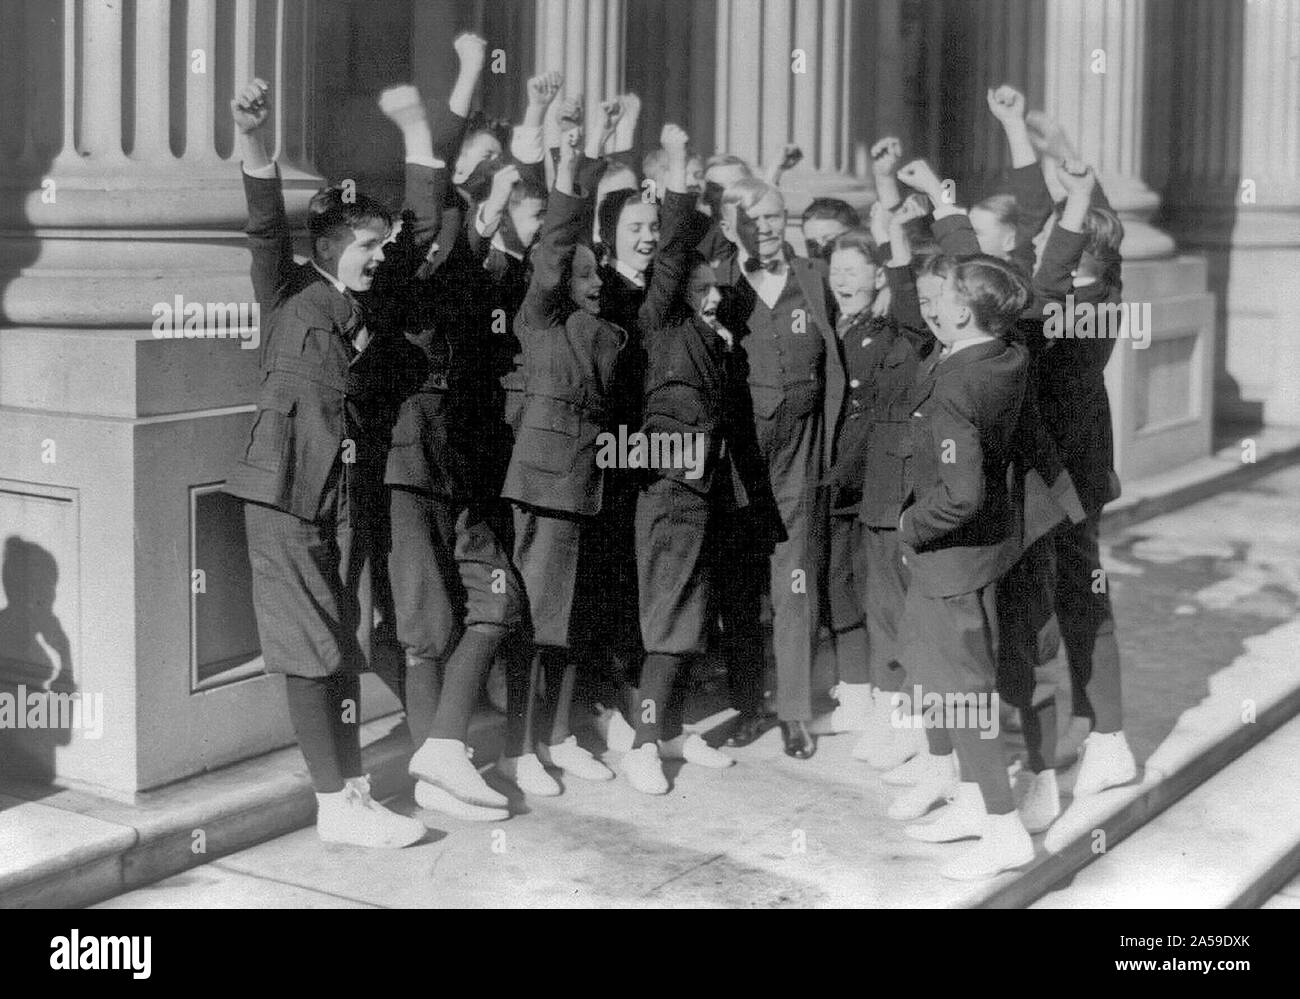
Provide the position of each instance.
(311, 475)
(1082, 259)
(554, 481)
(455, 591)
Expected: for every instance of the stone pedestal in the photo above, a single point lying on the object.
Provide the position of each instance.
(125, 579)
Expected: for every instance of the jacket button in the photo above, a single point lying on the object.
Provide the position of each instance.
(854, 383)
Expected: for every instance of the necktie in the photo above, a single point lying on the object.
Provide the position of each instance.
(771, 266)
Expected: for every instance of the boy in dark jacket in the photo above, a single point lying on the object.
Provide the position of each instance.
(554, 481)
(866, 579)
(959, 533)
(691, 401)
(312, 475)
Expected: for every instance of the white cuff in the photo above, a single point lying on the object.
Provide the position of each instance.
(428, 161)
(526, 144)
(263, 172)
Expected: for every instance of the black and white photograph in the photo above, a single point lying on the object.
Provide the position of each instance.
(650, 454)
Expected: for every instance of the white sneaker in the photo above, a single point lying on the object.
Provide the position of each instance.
(853, 710)
(693, 749)
(1004, 844)
(614, 729)
(937, 780)
(961, 818)
(643, 771)
(445, 763)
(1107, 762)
(907, 773)
(527, 773)
(574, 760)
(883, 745)
(435, 799)
(1040, 803)
(352, 816)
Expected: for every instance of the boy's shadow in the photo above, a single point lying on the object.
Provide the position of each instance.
(35, 657)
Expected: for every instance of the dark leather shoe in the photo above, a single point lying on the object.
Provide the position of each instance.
(799, 742)
(748, 728)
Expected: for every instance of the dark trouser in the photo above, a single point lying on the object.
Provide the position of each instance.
(1029, 639)
(741, 570)
(312, 598)
(606, 627)
(951, 653)
(1087, 624)
(866, 584)
(552, 554)
(792, 448)
(456, 595)
(675, 537)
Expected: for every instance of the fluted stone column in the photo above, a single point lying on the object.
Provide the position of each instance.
(120, 194)
(1095, 86)
(584, 40)
(1233, 191)
(782, 76)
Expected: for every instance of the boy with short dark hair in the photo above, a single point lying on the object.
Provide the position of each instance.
(311, 475)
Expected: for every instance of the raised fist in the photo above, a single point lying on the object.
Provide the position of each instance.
(570, 144)
(1076, 177)
(249, 107)
(545, 88)
(402, 104)
(885, 156)
(471, 49)
(920, 175)
(569, 115)
(610, 113)
(912, 208)
(1007, 103)
(502, 181)
(673, 137)
(790, 155)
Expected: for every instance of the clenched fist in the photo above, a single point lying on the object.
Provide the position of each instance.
(249, 107)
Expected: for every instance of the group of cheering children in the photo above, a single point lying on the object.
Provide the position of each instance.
(891, 447)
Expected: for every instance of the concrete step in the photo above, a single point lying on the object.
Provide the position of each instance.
(1233, 842)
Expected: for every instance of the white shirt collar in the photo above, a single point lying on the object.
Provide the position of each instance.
(964, 342)
(634, 278)
(500, 244)
(339, 286)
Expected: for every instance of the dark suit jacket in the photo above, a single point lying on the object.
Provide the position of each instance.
(570, 358)
(1071, 378)
(1042, 487)
(958, 519)
(881, 359)
(316, 391)
(738, 298)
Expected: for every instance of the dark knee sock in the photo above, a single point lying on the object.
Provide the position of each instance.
(1038, 725)
(658, 677)
(423, 687)
(522, 670)
(345, 689)
(982, 761)
(462, 679)
(558, 675)
(851, 655)
(311, 713)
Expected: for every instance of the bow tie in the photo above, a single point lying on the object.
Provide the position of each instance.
(771, 266)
